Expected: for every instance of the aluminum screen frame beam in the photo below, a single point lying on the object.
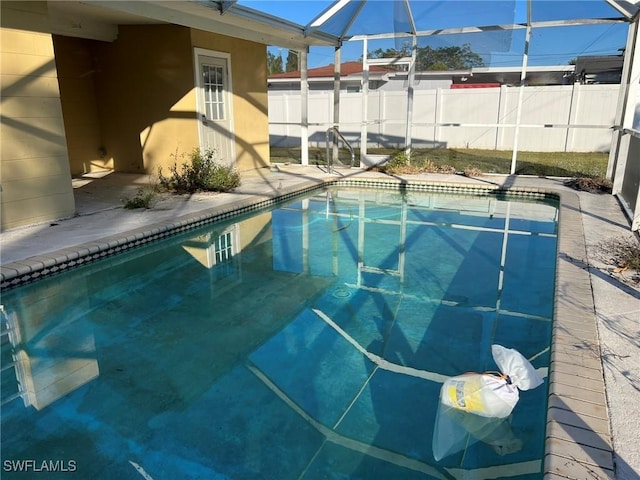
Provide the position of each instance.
(619, 158)
(490, 28)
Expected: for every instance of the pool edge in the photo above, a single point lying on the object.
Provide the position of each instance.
(578, 441)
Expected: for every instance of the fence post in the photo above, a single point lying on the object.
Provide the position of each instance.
(502, 103)
(287, 118)
(383, 115)
(437, 118)
(574, 103)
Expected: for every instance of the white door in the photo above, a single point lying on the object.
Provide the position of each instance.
(214, 105)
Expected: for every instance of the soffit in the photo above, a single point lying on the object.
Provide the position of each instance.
(99, 19)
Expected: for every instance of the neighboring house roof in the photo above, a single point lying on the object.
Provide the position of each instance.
(599, 69)
(346, 69)
(535, 75)
(599, 64)
(543, 75)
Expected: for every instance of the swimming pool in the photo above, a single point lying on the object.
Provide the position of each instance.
(257, 349)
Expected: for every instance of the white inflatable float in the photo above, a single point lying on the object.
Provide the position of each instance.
(476, 406)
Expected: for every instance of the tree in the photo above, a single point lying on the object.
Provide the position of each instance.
(405, 51)
(274, 64)
(453, 58)
(292, 61)
(441, 58)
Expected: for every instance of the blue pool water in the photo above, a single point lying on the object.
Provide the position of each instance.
(306, 342)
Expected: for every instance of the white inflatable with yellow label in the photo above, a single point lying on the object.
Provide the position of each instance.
(491, 394)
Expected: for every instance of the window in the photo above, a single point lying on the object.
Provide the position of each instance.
(224, 248)
(213, 84)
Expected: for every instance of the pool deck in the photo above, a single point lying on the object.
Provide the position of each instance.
(593, 418)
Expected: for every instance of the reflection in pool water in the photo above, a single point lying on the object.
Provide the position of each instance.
(306, 342)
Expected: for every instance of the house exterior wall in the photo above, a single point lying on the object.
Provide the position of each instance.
(346, 85)
(72, 105)
(400, 84)
(77, 77)
(249, 89)
(143, 110)
(146, 97)
(35, 175)
(392, 84)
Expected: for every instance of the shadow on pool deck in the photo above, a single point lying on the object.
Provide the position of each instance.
(580, 430)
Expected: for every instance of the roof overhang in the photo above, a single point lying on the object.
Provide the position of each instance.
(216, 16)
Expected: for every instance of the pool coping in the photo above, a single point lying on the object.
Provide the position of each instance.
(578, 441)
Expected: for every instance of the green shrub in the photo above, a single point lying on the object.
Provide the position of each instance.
(402, 164)
(202, 172)
(144, 198)
(399, 163)
(399, 159)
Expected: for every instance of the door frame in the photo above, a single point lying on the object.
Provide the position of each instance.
(197, 52)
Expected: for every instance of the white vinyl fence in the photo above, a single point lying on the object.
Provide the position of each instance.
(563, 118)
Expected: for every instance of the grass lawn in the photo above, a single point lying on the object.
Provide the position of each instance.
(558, 164)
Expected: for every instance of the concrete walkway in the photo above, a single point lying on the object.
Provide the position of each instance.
(618, 313)
(617, 304)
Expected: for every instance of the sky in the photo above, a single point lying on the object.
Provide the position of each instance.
(548, 46)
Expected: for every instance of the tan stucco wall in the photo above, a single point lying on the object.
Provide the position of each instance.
(144, 86)
(255, 230)
(76, 77)
(34, 168)
(147, 100)
(249, 78)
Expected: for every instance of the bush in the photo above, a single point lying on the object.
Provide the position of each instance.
(590, 184)
(202, 172)
(399, 163)
(402, 164)
(144, 198)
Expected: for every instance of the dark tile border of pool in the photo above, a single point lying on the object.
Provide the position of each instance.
(578, 441)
